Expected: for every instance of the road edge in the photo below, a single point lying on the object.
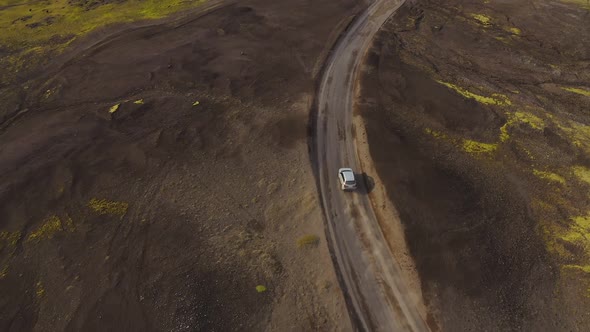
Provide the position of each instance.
(355, 321)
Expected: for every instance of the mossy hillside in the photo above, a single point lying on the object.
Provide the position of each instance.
(582, 3)
(32, 24)
(32, 31)
(537, 119)
(540, 124)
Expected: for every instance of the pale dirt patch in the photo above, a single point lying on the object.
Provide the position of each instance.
(387, 215)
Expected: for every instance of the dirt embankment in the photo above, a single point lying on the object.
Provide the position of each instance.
(477, 121)
(153, 181)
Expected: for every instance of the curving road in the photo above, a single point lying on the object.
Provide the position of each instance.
(377, 298)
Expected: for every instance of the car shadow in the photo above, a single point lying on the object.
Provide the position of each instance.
(366, 184)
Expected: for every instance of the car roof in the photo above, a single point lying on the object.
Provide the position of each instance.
(347, 173)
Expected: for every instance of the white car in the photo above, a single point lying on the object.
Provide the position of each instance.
(347, 180)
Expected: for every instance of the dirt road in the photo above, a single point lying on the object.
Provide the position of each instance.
(376, 294)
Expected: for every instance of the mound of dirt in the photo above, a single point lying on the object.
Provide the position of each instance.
(476, 117)
(159, 179)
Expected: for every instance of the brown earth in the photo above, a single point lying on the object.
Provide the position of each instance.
(477, 121)
(162, 213)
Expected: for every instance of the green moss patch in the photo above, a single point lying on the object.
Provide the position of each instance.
(482, 19)
(494, 99)
(32, 31)
(582, 173)
(478, 147)
(583, 92)
(549, 176)
(308, 241)
(105, 207)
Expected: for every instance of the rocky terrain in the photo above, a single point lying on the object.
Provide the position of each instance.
(154, 174)
(476, 114)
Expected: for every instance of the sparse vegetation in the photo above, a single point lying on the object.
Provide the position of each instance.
(495, 99)
(9, 239)
(515, 31)
(483, 19)
(308, 241)
(175, 174)
(583, 92)
(478, 147)
(582, 173)
(537, 163)
(520, 117)
(105, 207)
(47, 230)
(35, 30)
(114, 108)
(39, 289)
(549, 176)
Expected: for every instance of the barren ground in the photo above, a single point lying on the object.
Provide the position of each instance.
(477, 121)
(125, 204)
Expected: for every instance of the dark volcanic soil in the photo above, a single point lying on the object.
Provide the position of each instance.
(477, 117)
(153, 180)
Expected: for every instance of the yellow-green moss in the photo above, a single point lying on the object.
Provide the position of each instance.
(520, 117)
(39, 289)
(68, 224)
(33, 30)
(577, 233)
(47, 230)
(582, 173)
(585, 268)
(483, 19)
(577, 133)
(478, 147)
(9, 239)
(532, 120)
(308, 240)
(104, 207)
(583, 92)
(466, 145)
(495, 99)
(62, 19)
(504, 136)
(502, 39)
(528, 153)
(515, 31)
(549, 176)
(435, 134)
(114, 108)
(583, 222)
(4, 272)
(582, 3)
(260, 288)
(138, 102)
